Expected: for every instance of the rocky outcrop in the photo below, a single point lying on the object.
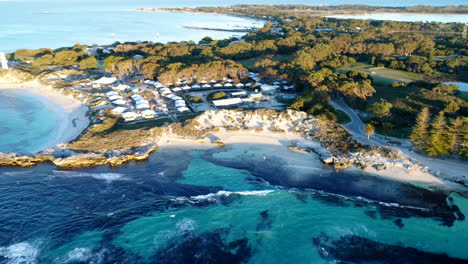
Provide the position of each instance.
(122, 146)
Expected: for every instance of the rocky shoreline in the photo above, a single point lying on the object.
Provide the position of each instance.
(317, 137)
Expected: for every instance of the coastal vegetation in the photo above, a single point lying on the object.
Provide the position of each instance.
(386, 70)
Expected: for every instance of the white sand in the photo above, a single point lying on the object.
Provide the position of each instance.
(71, 112)
(277, 145)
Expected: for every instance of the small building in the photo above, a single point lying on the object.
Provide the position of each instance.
(105, 81)
(129, 116)
(218, 85)
(118, 110)
(121, 87)
(115, 97)
(177, 89)
(186, 87)
(239, 94)
(148, 114)
(228, 85)
(206, 86)
(119, 102)
(227, 102)
(183, 109)
(196, 86)
(111, 93)
(239, 85)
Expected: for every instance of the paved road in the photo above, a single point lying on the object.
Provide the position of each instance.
(447, 168)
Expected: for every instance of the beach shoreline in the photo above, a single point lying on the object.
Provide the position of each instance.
(71, 113)
(281, 145)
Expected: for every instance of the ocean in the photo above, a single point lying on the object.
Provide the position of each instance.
(224, 205)
(236, 204)
(26, 123)
(55, 23)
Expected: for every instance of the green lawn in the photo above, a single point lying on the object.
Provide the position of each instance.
(381, 75)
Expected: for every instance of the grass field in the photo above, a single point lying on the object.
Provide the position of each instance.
(381, 75)
(383, 79)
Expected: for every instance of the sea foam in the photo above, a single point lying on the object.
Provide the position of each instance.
(20, 253)
(108, 177)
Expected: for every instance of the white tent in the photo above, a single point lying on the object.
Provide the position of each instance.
(115, 97)
(227, 85)
(109, 94)
(177, 89)
(148, 114)
(121, 87)
(186, 87)
(206, 86)
(218, 85)
(183, 109)
(239, 85)
(118, 110)
(119, 102)
(142, 106)
(105, 80)
(129, 116)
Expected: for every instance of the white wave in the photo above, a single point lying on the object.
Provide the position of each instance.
(227, 193)
(79, 254)
(82, 255)
(100, 176)
(20, 253)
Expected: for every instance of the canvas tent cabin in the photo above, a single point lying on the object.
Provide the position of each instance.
(118, 110)
(148, 114)
(103, 81)
(129, 116)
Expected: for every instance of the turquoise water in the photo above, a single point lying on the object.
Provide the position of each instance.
(103, 22)
(462, 86)
(411, 17)
(197, 206)
(27, 124)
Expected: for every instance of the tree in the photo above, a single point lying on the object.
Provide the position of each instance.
(381, 109)
(420, 130)
(437, 143)
(455, 135)
(369, 130)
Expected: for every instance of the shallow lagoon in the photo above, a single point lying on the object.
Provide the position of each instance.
(408, 17)
(27, 123)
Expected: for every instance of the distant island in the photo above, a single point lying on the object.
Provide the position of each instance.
(262, 11)
(359, 95)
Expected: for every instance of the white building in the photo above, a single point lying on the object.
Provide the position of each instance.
(227, 102)
(119, 102)
(3, 61)
(148, 114)
(183, 109)
(118, 110)
(129, 116)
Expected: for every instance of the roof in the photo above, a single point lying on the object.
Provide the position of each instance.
(230, 101)
(121, 87)
(148, 112)
(112, 93)
(129, 114)
(119, 110)
(182, 109)
(119, 102)
(239, 93)
(106, 80)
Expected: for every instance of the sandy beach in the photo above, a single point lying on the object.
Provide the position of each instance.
(71, 112)
(273, 144)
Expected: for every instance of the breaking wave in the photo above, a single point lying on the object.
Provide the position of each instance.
(20, 253)
(108, 177)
